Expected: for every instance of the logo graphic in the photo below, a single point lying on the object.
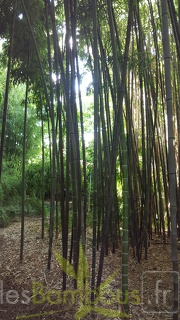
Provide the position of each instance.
(83, 292)
(159, 297)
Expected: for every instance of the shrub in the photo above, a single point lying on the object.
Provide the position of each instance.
(11, 186)
(4, 219)
(33, 206)
(1, 193)
(34, 179)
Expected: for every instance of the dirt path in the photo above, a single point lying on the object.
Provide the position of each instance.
(148, 280)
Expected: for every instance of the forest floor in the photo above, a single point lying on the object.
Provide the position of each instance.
(150, 281)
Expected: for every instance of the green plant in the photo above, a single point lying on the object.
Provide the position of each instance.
(13, 210)
(1, 193)
(34, 179)
(4, 219)
(11, 184)
(33, 206)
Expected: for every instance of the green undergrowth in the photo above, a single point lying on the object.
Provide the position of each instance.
(10, 211)
(11, 192)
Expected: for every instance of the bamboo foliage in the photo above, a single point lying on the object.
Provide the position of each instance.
(7, 86)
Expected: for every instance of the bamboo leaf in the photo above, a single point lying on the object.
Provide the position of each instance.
(83, 268)
(111, 313)
(82, 312)
(65, 265)
(107, 282)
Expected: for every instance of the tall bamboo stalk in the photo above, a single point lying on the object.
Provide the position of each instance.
(119, 134)
(42, 172)
(95, 162)
(171, 152)
(23, 172)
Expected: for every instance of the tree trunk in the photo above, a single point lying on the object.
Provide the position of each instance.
(171, 153)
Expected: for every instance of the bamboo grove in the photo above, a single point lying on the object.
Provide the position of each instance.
(132, 50)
